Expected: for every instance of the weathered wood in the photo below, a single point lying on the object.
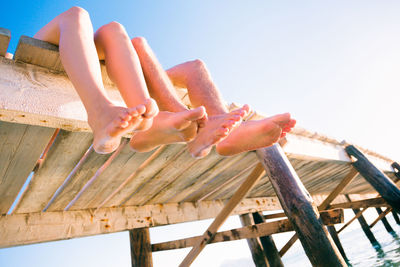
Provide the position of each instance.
(288, 245)
(223, 215)
(298, 206)
(373, 202)
(268, 244)
(60, 225)
(67, 149)
(140, 247)
(385, 221)
(365, 227)
(380, 217)
(396, 168)
(20, 148)
(257, 253)
(5, 36)
(382, 184)
(335, 237)
(396, 217)
(253, 231)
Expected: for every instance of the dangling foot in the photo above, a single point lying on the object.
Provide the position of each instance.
(168, 128)
(115, 121)
(251, 135)
(151, 110)
(215, 129)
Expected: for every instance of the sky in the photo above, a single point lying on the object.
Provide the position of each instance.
(334, 65)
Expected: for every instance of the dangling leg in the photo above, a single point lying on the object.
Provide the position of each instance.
(160, 87)
(73, 32)
(249, 135)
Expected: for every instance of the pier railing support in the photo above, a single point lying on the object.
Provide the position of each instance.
(140, 247)
(385, 221)
(299, 208)
(382, 184)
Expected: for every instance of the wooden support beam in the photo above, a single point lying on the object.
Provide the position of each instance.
(5, 36)
(140, 247)
(361, 204)
(380, 217)
(358, 214)
(268, 244)
(257, 253)
(298, 206)
(251, 231)
(335, 237)
(382, 184)
(396, 168)
(365, 227)
(385, 221)
(60, 225)
(254, 176)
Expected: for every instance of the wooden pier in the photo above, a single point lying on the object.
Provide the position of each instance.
(74, 192)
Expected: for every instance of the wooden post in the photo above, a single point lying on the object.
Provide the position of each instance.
(268, 244)
(335, 237)
(382, 184)
(365, 227)
(298, 206)
(254, 244)
(140, 247)
(396, 217)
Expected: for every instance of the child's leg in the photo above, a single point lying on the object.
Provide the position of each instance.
(161, 89)
(72, 31)
(249, 135)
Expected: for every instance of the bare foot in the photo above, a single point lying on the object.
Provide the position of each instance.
(116, 121)
(251, 135)
(215, 129)
(168, 128)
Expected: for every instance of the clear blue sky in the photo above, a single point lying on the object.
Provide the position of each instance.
(333, 64)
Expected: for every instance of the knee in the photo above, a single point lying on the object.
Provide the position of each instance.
(139, 41)
(197, 66)
(76, 14)
(112, 28)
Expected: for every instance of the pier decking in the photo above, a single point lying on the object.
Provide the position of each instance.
(75, 192)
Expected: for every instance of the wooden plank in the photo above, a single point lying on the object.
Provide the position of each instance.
(221, 169)
(60, 225)
(357, 215)
(67, 149)
(20, 148)
(335, 237)
(214, 180)
(122, 167)
(188, 174)
(254, 244)
(140, 247)
(382, 184)
(38, 52)
(252, 231)
(75, 184)
(380, 217)
(140, 176)
(223, 215)
(298, 206)
(5, 36)
(385, 222)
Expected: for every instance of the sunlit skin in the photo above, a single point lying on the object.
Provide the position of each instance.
(141, 80)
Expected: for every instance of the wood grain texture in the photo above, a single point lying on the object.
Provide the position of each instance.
(382, 184)
(385, 222)
(5, 36)
(20, 148)
(140, 247)
(298, 206)
(60, 225)
(62, 157)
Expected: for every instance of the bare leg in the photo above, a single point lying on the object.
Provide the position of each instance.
(211, 131)
(72, 31)
(249, 135)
